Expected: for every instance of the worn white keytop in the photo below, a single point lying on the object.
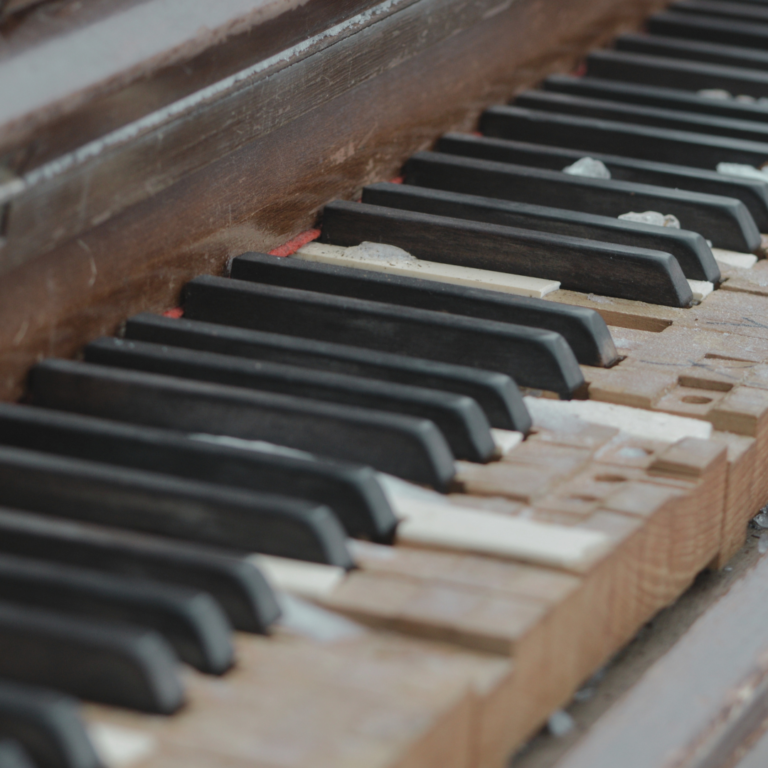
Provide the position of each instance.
(401, 263)
(734, 259)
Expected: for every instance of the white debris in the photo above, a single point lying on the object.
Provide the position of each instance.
(742, 170)
(560, 723)
(714, 93)
(762, 545)
(389, 254)
(588, 166)
(761, 519)
(652, 217)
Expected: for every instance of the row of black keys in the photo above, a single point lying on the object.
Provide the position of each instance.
(105, 449)
(637, 110)
(55, 462)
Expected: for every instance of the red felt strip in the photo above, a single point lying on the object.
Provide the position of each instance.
(293, 245)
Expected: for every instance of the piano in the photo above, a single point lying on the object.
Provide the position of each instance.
(372, 373)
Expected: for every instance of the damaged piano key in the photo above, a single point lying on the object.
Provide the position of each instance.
(153, 503)
(100, 661)
(675, 73)
(191, 621)
(459, 418)
(724, 221)
(350, 490)
(643, 142)
(751, 192)
(495, 392)
(533, 357)
(47, 725)
(238, 587)
(584, 330)
(689, 248)
(579, 264)
(405, 446)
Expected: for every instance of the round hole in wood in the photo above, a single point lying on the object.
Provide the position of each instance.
(610, 478)
(697, 399)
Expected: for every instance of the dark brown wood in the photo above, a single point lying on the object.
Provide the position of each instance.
(124, 233)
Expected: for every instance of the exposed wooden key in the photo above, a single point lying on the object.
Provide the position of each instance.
(190, 620)
(110, 663)
(495, 392)
(585, 333)
(402, 445)
(720, 219)
(674, 119)
(534, 358)
(725, 31)
(350, 490)
(639, 141)
(689, 248)
(674, 73)
(751, 192)
(155, 503)
(237, 585)
(459, 418)
(48, 726)
(694, 50)
(613, 270)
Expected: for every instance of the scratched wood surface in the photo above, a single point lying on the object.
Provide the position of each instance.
(92, 238)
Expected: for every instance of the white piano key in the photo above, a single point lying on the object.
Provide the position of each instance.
(405, 265)
(506, 440)
(120, 747)
(701, 289)
(309, 580)
(650, 425)
(734, 258)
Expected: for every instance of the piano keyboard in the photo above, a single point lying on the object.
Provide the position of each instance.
(388, 500)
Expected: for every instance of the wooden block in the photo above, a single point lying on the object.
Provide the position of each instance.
(368, 700)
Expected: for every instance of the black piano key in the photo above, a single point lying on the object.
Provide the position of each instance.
(190, 620)
(674, 73)
(535, 358)
(747, 34)
(723, 220)
(495, 392)
(752, 192)
(579, 264)
(459, 418)
(675, 119)
(728, 10)
(585, 332)
(689, 248)
(643, 142)
(408, 447)
(656, 96)
(48, 726)
(350, 490)
(693, 50)
(169, 506)
(236, 584)
(100, 661)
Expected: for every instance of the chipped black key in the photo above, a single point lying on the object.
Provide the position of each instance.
(689, 248)
(535, 358)
(48, 726)
(409, 447)
(752, 192)
(495, 392)
(350, 490)
(161, 504)
(584, 330)
(236, 584)
(100, 661)
(459, 418)
(190, 620)
(613, 270)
